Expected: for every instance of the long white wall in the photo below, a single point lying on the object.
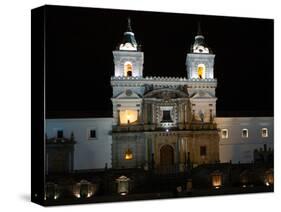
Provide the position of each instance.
(95, 153)
(88, 153)
(239, 149)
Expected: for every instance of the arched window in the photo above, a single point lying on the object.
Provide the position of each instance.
(128, 69)
(201, 71)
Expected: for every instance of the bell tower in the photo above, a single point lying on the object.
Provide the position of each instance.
(202, 84)
(127, 103)
(200, 60)
(128, 58)
(128, 67)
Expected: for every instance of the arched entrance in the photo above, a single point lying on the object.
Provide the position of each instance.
(166, 155)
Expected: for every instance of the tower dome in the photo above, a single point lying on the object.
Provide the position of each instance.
(129, 42)
(199, 45)
(128, 57)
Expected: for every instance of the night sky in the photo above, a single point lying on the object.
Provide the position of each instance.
(79, 61)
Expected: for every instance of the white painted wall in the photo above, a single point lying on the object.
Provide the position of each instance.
(88, 153)
(94, 153)
(235, 147)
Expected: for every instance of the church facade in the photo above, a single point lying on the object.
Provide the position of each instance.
(162, 122)
(163, 119)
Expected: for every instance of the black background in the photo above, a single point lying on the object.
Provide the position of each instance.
(79, 61)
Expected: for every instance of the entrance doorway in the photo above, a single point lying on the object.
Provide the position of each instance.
(166, 155)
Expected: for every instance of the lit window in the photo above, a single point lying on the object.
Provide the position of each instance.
(128, 68)
(201, 71)
(60, 134)
(264, 132)
(128, 154)
(216, 179)
(92, 134)
(224, 133)
(245, 133)
(128, 116)
(203, 150)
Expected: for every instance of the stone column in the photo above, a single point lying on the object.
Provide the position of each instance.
(180, 149)
(211, 116)
(137, 156)
(151, 113)
(138, 119)
(179, 113)
(185, 113)
(144, 113)
(181, 154)
(177, 161)
(148, 113)
(146, 148)
(155, 151)
(118, 117)
(182, 113)
(181, 116)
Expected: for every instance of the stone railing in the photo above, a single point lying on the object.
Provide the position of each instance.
(162, 79)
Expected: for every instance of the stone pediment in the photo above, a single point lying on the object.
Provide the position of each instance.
(166, 94)
(202, 95)
(128, 94)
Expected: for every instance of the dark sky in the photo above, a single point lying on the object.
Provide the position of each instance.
(79, 61)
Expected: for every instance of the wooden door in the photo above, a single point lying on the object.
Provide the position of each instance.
(166, 155)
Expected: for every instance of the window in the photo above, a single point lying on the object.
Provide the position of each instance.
(201, 71)
(224, 133)
(203, 151)
(92, 134)
(264, 132)
(60, 134)
(216, 179)
(128, 154)
(128, 68)
(167, 116)
(128, 116)
(245, 133)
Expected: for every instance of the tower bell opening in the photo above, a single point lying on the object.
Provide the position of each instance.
(201, 71)
(128, 68)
